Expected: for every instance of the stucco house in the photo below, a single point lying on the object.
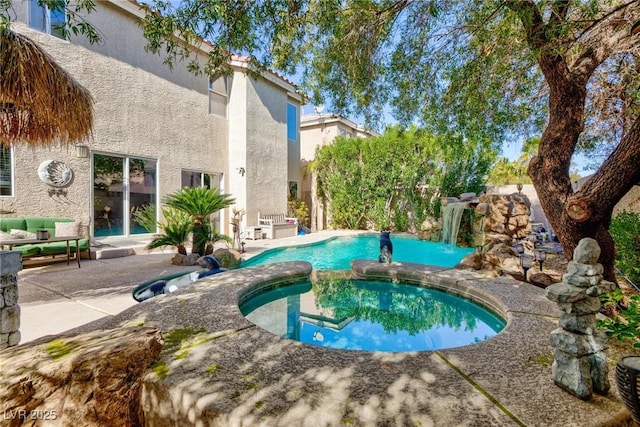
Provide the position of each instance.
(156, 130)
(317, 130)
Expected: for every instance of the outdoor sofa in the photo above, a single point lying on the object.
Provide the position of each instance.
(56, 226)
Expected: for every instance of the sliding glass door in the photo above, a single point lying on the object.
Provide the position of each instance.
(121, 185)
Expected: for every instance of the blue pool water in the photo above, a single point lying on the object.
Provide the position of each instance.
(337, 253)
(370, 316)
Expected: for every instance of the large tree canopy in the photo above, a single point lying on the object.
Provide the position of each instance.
(500, 69)
(497, 70)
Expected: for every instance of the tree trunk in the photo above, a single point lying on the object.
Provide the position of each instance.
(549, 170)
(587, 212)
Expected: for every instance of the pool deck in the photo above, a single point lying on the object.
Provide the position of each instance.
(261, 379)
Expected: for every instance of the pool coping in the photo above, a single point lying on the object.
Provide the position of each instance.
(262, 379)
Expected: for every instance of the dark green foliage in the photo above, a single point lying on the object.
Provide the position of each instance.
(175, 231)
(394, 181)
(626, 323)
(625, 230)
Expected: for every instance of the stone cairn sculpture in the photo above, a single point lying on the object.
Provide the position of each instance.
(580, 363)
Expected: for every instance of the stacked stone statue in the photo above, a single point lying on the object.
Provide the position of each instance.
(580, 363)
(10, 264)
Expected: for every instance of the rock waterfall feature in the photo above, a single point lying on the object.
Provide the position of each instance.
(451, 217)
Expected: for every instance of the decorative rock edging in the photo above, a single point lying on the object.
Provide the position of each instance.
(226, 371)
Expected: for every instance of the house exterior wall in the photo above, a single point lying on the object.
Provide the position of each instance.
(136, 113)
(237, 148)
(316, 135)
(143, 109)
(266, 142)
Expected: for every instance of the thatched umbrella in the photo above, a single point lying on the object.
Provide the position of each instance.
(40, 103)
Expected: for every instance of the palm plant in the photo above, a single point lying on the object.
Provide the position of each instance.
(145, 215)
(176, 230)
(199, 203)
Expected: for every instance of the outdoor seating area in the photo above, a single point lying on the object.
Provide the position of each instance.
(44, 237)
(277, 225)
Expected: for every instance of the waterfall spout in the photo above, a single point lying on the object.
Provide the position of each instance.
(451, 217)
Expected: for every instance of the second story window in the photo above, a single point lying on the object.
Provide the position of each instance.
(218, 95)
(344, 132)
(50, 21)
(292, 122)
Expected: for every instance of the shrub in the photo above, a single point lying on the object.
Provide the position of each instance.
(297, 208)
(625, 230)
(394, 181)
(625, 324)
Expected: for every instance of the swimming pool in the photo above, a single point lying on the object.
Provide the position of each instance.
(369, 315)
(338, 252)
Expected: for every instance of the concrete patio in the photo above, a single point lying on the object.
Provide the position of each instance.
(261, 379)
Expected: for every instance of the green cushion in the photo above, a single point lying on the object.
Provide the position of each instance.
(28, 250)
(7, 224)
(55, 248)
(35, 223)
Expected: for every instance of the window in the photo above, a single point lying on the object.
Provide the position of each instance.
(343, 132)
(199, 179)
(218, 95)
(6, 171)
(121, 186)
(292, 122)
(50, 21)
(293, 190)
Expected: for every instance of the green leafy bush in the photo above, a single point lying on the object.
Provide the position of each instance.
(394, 181)
(297, 208)
(626, 323)
(625, 230)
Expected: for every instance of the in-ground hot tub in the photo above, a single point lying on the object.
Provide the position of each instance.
(370, 315)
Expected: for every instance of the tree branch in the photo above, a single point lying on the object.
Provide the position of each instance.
(610, 33)
(532, 20)
(559, 11)
(619, 173)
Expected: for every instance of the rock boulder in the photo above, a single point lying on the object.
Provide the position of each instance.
(228, 258)
(88, 379)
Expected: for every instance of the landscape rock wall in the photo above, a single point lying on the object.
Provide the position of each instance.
(501, 218)
(10, 265)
